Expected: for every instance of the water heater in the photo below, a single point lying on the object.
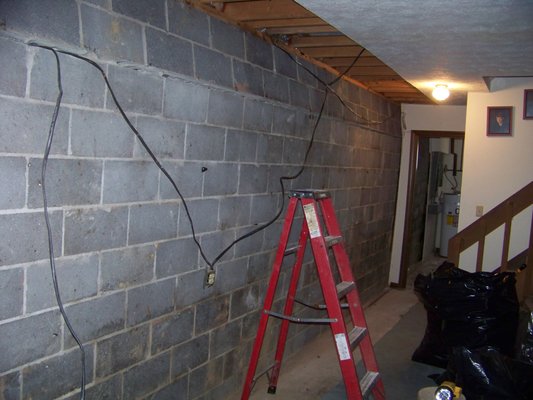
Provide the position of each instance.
(450, 218)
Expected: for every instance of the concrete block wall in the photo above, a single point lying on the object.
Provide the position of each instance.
(227, 114)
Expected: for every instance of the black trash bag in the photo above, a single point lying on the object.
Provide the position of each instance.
(526, 341)
(486, 374)
(466, 309)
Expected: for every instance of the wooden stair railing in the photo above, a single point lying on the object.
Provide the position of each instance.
(500, 215)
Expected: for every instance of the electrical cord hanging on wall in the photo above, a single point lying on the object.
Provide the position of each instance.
(49, 228)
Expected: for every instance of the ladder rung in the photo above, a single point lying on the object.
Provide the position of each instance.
(332, 240)
(356, 335)
(318, 306)
(263, 372)
(368, 382)
(344, 288)
(301, 320)
(291, 250)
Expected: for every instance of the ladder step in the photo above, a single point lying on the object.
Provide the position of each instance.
(301, 320)
(368, 382)
(332, 240)
(344, 288)
(356, 335)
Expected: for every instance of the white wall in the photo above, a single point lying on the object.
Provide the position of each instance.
(496, 167)
(418, 117)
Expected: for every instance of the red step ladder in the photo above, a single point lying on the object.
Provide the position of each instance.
(318, 210)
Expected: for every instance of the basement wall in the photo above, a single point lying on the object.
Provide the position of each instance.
(227, 114)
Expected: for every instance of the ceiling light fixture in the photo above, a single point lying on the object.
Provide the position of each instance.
(441, 92)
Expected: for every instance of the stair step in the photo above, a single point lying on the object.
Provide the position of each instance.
(356, 335)
(332, 240)
(344, 288)
(368, 382)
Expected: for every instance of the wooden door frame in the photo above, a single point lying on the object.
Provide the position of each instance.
(406, 239)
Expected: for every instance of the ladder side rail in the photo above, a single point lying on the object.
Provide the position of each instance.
(289, 306)
(329, 291)
(352, 297)
(269, 298)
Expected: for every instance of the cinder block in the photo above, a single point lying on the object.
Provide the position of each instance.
(245, 300)
(188, 356)
(127, 267)
(25, 127)
(111, 37)
(211, 314)
(121, 351)
(185, 100)
(110, 389)
(240, 146)
(204, 214)
(176, 257)
(25, 239)
(95, 229)
(165, 138)
(253, 179)
(169, 52)
(220, 179)
(177, 390)
(212, 66)
(188, 22)
(305, 75)
(234, 212)
(188, 177)
(269, 148)
(206, 377)
(152, 222)
(13, 67)
(126, 181)
(77, 279)
(68, 182)
(152, 12)
(205, 143)
(284, 121)
(214, 243)
(231, 275)
(171, 331)
(12, 182)
(11, 293)
(248, 78)
(227, 38)
(225, 338)
(150, 301)
(30, 338)
(251, 244)
(191, 289)
(259, 267)
(136, 91)
(147, 376)
(100, 134)
(283, 64)
(258, 51)
(276, 86)
(82, 83)
(258, 115)
(10, 386)
(299, 94)
(48, 19)
(225, 109)
(58, 375)
(294, 151)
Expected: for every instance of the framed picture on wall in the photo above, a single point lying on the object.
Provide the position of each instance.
(528, 104)
(499, 121)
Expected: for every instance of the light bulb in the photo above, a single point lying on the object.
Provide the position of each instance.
(441, 92)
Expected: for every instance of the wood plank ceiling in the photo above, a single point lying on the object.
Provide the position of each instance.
(303, 33)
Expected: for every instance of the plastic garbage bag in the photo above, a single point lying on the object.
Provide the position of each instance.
(486, 374)
(466, 309)
(526, 344)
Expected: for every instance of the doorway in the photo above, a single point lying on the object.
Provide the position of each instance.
(435, 168)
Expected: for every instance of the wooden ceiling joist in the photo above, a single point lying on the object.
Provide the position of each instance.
(303, 33)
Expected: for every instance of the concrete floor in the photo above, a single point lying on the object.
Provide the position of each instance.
(314, 370)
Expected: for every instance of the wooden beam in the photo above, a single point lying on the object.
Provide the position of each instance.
(265, 9)
(285, 22)
(319, 41)
(295, 30)
(340, 51)
(361, 62)
(383, 71)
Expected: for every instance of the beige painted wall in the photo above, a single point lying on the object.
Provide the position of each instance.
(418, 117)
(496, 167)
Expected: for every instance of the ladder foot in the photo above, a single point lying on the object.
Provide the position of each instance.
(272, 389)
